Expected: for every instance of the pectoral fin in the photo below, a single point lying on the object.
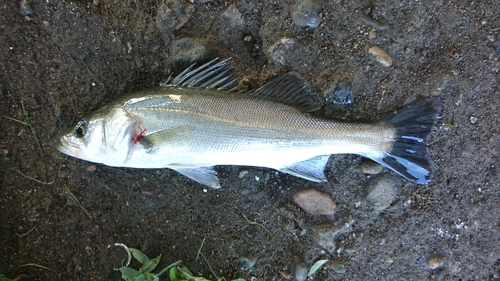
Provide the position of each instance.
(203, 175)
(176, 136)
(311, 169)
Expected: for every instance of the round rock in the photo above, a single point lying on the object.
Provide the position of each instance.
(315, 202)
(306, 13)
(187, 51)
(381, 192)
(370, 167)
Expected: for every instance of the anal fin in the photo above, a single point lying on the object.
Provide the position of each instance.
(311, 169)
(203, 175)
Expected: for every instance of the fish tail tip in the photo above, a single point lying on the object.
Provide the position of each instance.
(409, 155)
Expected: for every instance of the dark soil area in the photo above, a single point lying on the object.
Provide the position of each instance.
(60, 60)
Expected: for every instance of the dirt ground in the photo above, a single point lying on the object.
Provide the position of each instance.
(59, 60)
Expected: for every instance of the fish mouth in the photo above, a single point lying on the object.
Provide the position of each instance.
(66, 148)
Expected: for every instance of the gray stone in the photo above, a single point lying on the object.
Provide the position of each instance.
(187, 51)
(306, 13)
(281, 51)
(435, 262)
(381, 192)
(325, 234)
(337, 266)
(340, 93)
(173, 14)
(370, 167)
(300, 269)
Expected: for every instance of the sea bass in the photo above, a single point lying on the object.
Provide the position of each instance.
(196, 122)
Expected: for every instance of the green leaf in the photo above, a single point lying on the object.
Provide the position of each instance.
(174, 273)
(316, 266)
(239, 279)
(168, 267)
(185, 270)
(139, 256)
(150, 265)
(129, 274)
(140, 278)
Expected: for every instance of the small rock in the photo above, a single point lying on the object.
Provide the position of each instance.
(324, 235)
(173, 14)
(300, 269)
(337, 266)
(372, 34)
(340, 93)
(187, 51)
(247, 262)
(248, 38)
(233, 16)
(242, 174)
(370, 167)
(473, 119)
(281, 51)
(306, 13)
(92, 168)
(315, 202)
(381, 192)
(26, 9)
(381, 56)
(435, 262)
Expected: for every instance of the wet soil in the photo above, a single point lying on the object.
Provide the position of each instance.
(62, 59)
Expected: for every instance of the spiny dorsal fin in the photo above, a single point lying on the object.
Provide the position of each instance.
(289, 89)
(212, 75)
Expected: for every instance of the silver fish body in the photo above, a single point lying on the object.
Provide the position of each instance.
(191, 127)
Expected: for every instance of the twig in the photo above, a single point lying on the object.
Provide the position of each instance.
(77, 202)
(38, 181)
(37, 265)
(24, 234)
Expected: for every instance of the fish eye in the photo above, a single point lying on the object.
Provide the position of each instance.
(80, 129)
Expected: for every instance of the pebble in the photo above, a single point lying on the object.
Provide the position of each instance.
(337, 266)
(381, 192)
(372, 34)
(315, 202)
(324, 235)
(435, 262)
(26, 9)
(233, 16)
(280, 51)
(300, 269)
(340, 93)
(247, 262)
(187, 51)
(92, 168)
(473, 119)
(381, 56)
(370, 167)
(306, 13)
(242, 173)
(173, 14)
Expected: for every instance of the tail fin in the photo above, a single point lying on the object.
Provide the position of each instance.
(409, 156)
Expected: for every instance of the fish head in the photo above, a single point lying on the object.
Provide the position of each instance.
(104, 136)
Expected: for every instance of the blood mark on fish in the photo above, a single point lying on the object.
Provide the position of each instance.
(139, 137)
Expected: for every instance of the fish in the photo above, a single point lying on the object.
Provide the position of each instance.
(198, 120)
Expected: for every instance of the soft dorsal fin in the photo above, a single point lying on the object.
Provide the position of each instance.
(289, 89)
